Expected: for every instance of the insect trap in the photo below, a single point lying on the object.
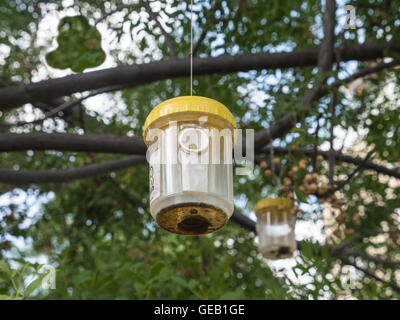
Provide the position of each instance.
(190, 141)
(275, 228)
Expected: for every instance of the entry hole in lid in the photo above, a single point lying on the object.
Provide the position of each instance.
(194, 224)
(193, 140)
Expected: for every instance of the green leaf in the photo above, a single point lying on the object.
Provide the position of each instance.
(4, 267)
(79, 45)
(156, 268)
(301, 195)
(4, 297)
(35, 284)
(232, 295)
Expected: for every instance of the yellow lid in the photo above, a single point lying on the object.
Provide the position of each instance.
(188, 104)
(272, 202)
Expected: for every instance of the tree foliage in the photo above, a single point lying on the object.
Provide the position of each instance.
(98, 232)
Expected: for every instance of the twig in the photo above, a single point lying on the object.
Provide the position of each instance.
(380, 260)
(199, 41)
(167, 36)
(331, 158)
(316, 133)
(367, 71)
(61, 107)
(205, 30)
(343, 157)
(284, 125)
(119, 8)
(373, 276)
(349, 177)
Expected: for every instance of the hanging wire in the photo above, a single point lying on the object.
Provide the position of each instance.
(191, 47)
(272, 156)
(271, 153)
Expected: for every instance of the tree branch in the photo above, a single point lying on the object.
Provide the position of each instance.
(349, 177)
(167, 36)
(54, 176)
(325, 65)
(324, 61)
(134, 145)
(372, 275)
(339, 157)
(331, 158)
(367, 71)
(380, 260)
(203, 34)
(137, 75)
(72, 142)
(243, 220)
(119, 8)
(61, 108)
(286, 123)
(326, 53)
(278, 129)
(197, 45)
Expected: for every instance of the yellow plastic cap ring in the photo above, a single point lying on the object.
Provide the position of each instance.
(272, 202)
(189, 104)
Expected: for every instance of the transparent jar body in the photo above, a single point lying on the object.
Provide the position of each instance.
(191, 174)
(275, 230)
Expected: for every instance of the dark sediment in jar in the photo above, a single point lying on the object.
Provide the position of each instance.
(277, 252)
(192, 218)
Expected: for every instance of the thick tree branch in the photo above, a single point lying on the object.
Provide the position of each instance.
(134, 145)
(326, 53)
(54, 176)
(72, 142)
(138, 75)
(243, 220)
(325, 65)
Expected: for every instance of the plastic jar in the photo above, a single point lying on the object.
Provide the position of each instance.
(190, 141)
(275, 228)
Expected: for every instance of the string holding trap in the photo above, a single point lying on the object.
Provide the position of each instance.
(190, 141)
